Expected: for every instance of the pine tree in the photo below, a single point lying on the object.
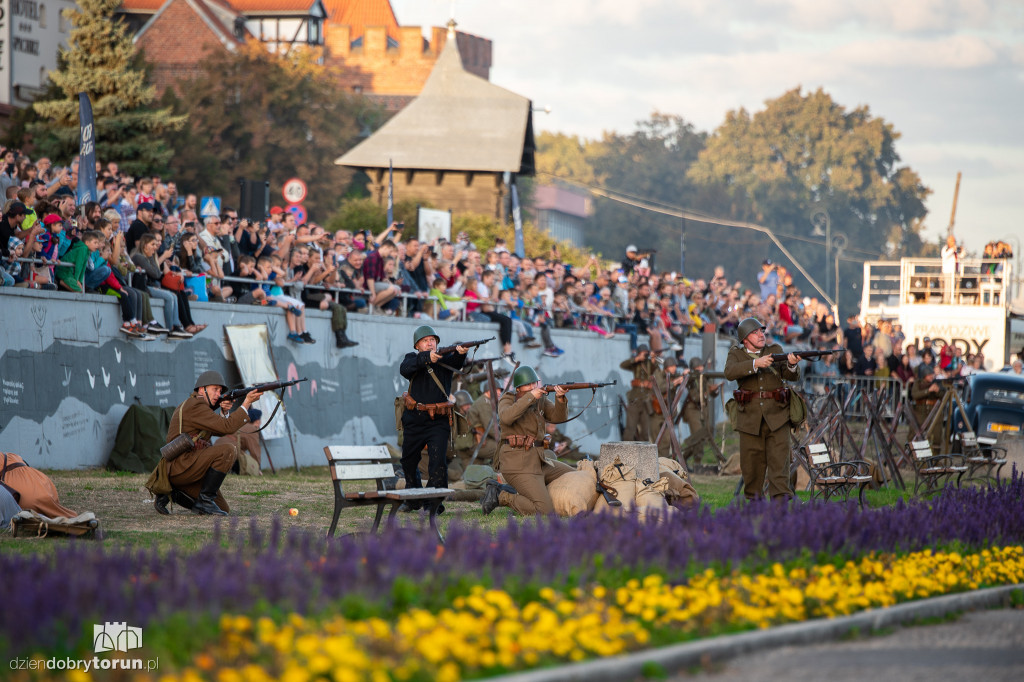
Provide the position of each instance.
(101, 61)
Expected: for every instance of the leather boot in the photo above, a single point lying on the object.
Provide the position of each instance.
(211, 484)
(490, 501)
(160, 504)
(182, 500)
(341, 339)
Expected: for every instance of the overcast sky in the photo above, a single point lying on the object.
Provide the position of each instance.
(947, 74)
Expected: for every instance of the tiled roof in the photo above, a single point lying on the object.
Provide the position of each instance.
(362, 13)
(142, 5)
(274, 6)
(458, 122)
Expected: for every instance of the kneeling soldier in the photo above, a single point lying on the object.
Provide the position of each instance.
(196, 474)
(522, 460)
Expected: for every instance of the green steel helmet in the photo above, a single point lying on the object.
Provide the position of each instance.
(524, 376)
(463, 398)
(695, 363)
(643, 348)
(747, 327)
(423, 332)
(670, 361)
(210, 378)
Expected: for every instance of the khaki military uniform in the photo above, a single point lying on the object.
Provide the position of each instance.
(664, 383)
(763, 423)
(458, 457)
(924, 402)
(479, 416)
(568, 450)
(186, 471)
(697, 419)
(639, 400)
(529, 470)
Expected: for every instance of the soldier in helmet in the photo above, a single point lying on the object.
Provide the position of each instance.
(639, 398)
(763, 415)
(667, 381)
(522, 459)
(925, 392)
(196, 475)
(461, 449)
(485, 427)
(426, 421)
(696, 411)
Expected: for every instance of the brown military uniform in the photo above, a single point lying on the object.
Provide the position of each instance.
(664, 383)
(639, 399)
(763, 422)
(529, 470)
(696, 418)
(924, 402)
(186, 471)
(458, 457)
(479, 416)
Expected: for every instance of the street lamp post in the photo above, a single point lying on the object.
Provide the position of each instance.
(820, 217)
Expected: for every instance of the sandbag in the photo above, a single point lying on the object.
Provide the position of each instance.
(32, 489)
(680, 492)
(32, 524)
(651, 504)
(621, 478)
(732, 466)
(576, 492)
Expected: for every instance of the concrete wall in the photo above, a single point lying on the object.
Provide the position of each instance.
(67, 375)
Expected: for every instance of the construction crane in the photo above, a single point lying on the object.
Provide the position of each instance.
(952, 217)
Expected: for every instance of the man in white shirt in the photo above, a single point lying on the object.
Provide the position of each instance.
(950, 259)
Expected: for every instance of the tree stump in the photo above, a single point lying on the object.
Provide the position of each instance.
(640, 455)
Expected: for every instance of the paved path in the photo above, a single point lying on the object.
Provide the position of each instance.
(985, 646)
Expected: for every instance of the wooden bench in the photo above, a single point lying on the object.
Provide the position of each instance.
(362, 463)
(833, 479)
(982, 455)
(934, 470)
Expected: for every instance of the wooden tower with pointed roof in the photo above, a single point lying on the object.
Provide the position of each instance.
(453, 143)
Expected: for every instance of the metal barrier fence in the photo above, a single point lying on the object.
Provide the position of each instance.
(816, 385)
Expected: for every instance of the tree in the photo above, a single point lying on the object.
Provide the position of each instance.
(101, 61)
(804, 153)
(258, 115)
(483, 230)
(366, 214)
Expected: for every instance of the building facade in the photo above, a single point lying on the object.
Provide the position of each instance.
(31, 34)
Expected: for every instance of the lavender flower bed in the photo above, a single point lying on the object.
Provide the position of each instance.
(56, 596)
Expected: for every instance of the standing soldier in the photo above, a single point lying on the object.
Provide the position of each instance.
(426, 420)
(696, 412)
(763, 414)
(461, 450)
(196, 474)
(668, 383)
(522, 459)
(925, 393)
(639, 399)
(485, 427)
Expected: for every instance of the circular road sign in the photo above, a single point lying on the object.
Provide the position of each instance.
(294, 191)
(297, 210)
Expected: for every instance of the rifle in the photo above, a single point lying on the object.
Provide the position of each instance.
(499, 373)
(779, 357)
(548, 388)
(238, 393)
(445, 350)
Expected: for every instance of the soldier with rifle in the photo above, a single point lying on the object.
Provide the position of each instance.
(763, 410)
(926, 392)
(427, 418)
(640, 399)
(524, 459)
(191, 468)
(668, 382)
(484, 424)
(696, 412)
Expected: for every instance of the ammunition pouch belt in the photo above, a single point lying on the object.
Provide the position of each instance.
(743, 396)
(526, 442)
(640, 383)
(433, 410)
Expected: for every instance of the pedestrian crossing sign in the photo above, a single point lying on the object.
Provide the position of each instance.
(209, 206)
